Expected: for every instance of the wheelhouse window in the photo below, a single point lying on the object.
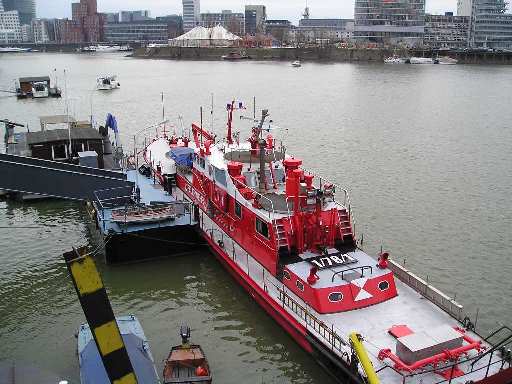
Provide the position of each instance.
(59, 151)
(262, 228)
(334, 297)
(238, 209)
(220, 176)
(299, 285)
(383, 285)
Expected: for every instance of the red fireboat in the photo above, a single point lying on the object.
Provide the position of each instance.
(287, 236)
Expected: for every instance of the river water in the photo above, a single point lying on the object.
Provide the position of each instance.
(425, 152)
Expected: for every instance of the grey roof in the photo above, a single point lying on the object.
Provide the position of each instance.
(34, 79)
(56, 119)
(62, 135)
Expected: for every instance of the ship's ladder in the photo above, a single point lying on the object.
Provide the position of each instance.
(281, 237)
(345, 224)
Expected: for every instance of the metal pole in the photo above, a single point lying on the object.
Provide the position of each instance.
(201, 112)
(67, 111)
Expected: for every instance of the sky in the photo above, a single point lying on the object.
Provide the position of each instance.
(276, 9)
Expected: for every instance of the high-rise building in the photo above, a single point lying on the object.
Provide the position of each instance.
(191, 14)
(491, 25)
(40, 31)
(333, 30)
(255, 19)
(446, 31)
(10, 28)
(390, 21)
(233, 22)
(464, 7)
(1, 6)
(25, 8)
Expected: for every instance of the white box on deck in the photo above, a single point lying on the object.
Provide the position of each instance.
(419, 346)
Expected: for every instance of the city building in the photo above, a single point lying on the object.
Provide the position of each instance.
(25, 8)
(26, 33)
(10, 28)
(112, 17)
(147, 31)
(464, 7)
(233, 22)
(327, 30)
(389, 22)
(279, 30)
(1, 6)
(86, 25)
(40, 31)
(446, 31)
(491, 25)
(126, 16)
(255, 18)
(191, 14)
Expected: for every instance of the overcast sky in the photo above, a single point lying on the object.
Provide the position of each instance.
(276, 9)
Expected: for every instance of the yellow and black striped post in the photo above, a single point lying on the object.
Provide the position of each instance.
(100, 317)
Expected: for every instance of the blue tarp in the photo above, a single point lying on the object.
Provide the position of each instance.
(182, 156)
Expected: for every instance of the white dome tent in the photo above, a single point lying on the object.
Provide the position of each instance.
(217, 36)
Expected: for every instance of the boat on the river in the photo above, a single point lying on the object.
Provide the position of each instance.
(297, 64)
(395, 60)
(14, 49)
(92, 370)
(107, 83)
(446, 60)
(421, 60)
(36, 87)
(106, 48)
(288, 237)
(235, 56)
(187, 363)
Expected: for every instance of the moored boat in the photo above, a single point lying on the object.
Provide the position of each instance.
(187, 363)
(446, 60)
(14, 49)
(421, 60)
(92, 370)
(287, 236)
(107, 83)
(394, 60)
(296, 64)
(235, 56)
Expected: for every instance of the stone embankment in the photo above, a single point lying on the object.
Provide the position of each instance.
(333, 54)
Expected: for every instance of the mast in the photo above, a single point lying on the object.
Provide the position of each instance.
(262, 146)
(67, 112)
(231, 107)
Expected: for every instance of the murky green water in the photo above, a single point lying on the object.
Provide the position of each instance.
(425, 151)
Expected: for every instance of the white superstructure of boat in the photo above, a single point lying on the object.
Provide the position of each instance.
(107, 83)
(297, 64)
(421, 60)
(40, 90)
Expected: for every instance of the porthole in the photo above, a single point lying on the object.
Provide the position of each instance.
(299, 285)
(334, 297)
(286, 275)
(384, 285)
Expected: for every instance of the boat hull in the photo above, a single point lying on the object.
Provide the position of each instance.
(326, 358)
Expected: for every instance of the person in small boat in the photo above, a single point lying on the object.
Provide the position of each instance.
(201, 371)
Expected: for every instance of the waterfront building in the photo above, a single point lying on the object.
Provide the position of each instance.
(328, 30)
(255, 18)
(279, 30)
(26, 33)
(1, 6)
(86, 25)
(10, 28)
(26, 9)
(491, 25)
(40, 31)
(175, 23)
(127, 16)
(388, 22)
(146, 31)
(233, 22)
(112, 17)
(191, 14)
(446, 31)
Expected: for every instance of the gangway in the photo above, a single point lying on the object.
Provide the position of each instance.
(56, 179)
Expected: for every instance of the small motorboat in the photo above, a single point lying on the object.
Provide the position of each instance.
(107, 83)
(394, 60)
(235, 56)
(297, 64)
(421, 60)
(187, 363)
(446, 60)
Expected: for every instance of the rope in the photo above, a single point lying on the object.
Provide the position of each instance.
(165, 241)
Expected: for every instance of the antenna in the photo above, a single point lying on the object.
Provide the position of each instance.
(163, 108)
(211, 113)
(201, 112)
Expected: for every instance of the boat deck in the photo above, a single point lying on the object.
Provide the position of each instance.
(150, 192)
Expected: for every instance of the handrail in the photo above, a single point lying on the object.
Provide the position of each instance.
(495, 347)
(237, 182)
(363, 268)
